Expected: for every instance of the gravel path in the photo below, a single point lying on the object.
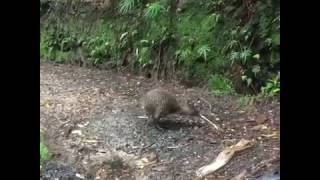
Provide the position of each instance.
(91, 121)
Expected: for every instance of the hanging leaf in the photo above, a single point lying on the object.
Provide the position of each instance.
(256, 69)
(256, 56)
(249, 81)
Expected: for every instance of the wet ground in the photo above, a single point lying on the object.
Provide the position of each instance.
(93, 125)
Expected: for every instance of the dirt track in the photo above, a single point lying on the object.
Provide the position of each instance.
(90, 116)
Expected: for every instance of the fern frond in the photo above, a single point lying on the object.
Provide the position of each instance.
(154, 10)
(126, 6)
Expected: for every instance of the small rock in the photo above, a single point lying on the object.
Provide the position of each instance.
(78, 132)
(79, 176)
(83, 125)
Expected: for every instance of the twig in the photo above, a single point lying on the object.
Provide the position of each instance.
(215, 126)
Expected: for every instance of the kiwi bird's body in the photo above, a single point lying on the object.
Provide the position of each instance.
(159, 103)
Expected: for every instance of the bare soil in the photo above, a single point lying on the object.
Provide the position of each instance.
(89, 115)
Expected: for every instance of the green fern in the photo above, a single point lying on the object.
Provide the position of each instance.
(245, 54)
(185, 53)
(234, 56)
(232, 44)
(126, 6)
(154, 10)
(203, 51)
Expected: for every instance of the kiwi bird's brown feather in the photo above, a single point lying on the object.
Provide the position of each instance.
(158, 103)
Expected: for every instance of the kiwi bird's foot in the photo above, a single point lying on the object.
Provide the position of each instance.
(156, 125)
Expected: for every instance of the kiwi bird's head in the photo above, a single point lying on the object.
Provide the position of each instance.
(189, 110)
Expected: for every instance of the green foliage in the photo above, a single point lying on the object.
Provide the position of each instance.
(246, 100)
(154, 10)
(144, 56)
(198, 46)
(126, 6)
(64, 57)
(44, 153)
(272, 87)
(101, 47)
(220, 85)
(204, 38)
(60, 44)
(57, 44)
(198, 73)
(203, 51)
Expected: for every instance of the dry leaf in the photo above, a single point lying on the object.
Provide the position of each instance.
(275, 134)
(223, 158)
(260, 127)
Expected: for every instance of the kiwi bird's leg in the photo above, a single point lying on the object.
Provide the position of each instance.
(150, 120)
(158, 127)
(156, 122)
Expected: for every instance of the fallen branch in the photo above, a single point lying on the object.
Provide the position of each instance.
(223, 158)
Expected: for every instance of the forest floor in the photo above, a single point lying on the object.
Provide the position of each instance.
(93, 125)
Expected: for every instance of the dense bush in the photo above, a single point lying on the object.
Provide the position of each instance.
(234, 45)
